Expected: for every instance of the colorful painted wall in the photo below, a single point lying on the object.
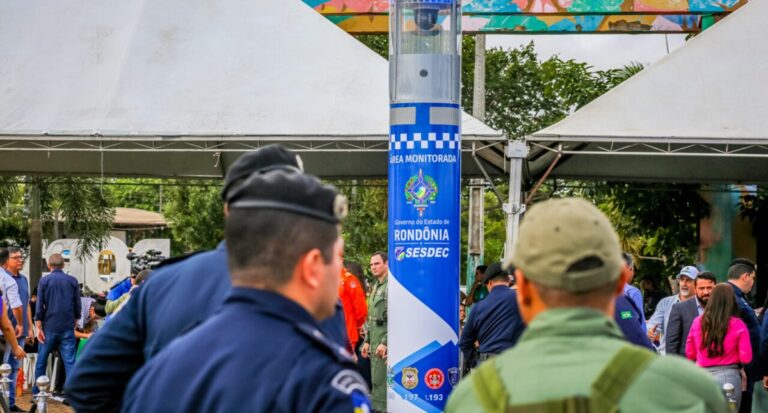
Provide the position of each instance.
(546, 16)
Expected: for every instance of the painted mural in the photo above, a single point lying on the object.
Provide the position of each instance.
(546, 16)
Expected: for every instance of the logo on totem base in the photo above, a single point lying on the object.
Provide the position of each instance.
(399, 253)
(421, 191)
(434, 378)
(410, 378)
(453, 376)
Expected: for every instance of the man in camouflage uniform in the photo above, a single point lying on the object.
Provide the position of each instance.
(375, 345)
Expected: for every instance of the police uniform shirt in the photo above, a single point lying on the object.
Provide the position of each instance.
(630, 322)
(495, 322)
(178, 297)
(261, 353)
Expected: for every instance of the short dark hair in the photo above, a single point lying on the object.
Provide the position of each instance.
(265, 245)
(740, 266)
(354, 268)
(628, 260)
(13, 250)
(742, 260)
(706, 275)
(4, 254)
(381, 254)
(100, 308)
(481, 268)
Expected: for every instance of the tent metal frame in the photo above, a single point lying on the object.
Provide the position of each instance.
(215, 143)
(684, 147)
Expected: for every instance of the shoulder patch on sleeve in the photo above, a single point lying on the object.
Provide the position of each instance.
(350, 382)
(360, 403)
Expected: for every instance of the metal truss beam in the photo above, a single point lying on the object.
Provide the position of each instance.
(215, 144)
(655, 149)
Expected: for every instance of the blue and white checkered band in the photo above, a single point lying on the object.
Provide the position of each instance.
(431, 140)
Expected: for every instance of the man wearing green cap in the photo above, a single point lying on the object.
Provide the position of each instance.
(572, 357)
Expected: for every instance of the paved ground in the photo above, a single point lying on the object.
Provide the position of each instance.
(53, 407)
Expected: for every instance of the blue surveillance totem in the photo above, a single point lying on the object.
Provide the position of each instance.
(424, 207)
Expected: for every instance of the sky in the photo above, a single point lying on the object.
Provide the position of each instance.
(606, 51)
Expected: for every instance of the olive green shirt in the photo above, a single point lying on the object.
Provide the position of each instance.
(564, 350)
(377, 315)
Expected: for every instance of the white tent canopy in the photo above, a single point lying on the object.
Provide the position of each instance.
(181, 88)
(700, 114)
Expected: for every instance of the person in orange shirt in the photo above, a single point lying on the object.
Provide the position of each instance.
(352, 296)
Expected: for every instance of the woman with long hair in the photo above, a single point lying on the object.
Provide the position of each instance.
(719, 340)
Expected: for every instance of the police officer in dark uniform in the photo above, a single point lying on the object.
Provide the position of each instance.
(629, 318)
(494, 322)
(264, 351)
(181, 294)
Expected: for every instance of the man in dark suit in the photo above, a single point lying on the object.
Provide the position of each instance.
(682, 314)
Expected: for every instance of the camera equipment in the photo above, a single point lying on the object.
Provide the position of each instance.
(425, 18)
(149, 260)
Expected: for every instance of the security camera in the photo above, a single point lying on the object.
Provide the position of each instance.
(425, 18)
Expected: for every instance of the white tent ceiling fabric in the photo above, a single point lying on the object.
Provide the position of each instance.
(695, 115)
(83, 73)
(711, 89)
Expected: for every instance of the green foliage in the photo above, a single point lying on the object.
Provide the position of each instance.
(379, 43)
(524, 95)
(365, 229)
(655, 221)
(80, 206)
(14, 227)
(141, 193)
(495, 226)
(195, 215)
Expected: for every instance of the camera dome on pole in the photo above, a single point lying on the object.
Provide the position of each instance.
(426, 12)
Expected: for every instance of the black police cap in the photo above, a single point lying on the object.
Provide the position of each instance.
(290, 191)
(269, 157)
(494, 270)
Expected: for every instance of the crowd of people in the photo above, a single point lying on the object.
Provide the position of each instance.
(535, 330)
(711, 324)
(53, 321)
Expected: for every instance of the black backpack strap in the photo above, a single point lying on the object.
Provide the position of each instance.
(617, 376)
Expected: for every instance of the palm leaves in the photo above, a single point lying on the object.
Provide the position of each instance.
(77, 206)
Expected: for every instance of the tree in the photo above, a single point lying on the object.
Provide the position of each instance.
(656, 221)
(365, 229)
(195, 216)
(141, 193)
(68, 205)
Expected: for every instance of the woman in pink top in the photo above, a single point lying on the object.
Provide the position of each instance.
(719, 341)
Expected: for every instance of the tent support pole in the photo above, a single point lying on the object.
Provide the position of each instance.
(475, 229)
(545, 176)
(517, 152)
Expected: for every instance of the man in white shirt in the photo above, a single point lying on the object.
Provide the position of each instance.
(660, 318)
